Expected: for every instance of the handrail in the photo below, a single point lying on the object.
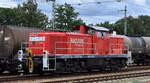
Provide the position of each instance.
(24, 45)
(81, 47)
(113, 47)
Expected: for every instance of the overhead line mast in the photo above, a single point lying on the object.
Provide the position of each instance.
(53, 13)
(125, 19)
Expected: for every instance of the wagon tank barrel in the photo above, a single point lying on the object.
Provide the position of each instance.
(11, 38)
(138, 44)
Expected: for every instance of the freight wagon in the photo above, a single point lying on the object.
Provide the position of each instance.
(10, 42)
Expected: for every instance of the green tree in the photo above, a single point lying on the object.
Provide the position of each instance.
(28, 14)
(144, 27)
(106, 24)
(65, 17)
(138, 26)
(119, 26)
(7, 16)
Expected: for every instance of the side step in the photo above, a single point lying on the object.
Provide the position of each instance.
(49, 62)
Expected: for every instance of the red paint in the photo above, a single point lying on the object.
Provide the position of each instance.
(80, 43)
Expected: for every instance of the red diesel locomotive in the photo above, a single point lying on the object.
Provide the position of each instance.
(86, 48)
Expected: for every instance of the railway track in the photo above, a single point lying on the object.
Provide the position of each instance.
(16, 77)
(79, 78)
(98, 78)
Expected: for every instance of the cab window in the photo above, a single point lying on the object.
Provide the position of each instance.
(101, 34)
(91, 31)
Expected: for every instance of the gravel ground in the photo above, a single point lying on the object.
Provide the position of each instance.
(145, 79)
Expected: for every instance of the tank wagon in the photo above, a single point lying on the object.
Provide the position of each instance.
(10, 42)
(85, 48)
(140, 48)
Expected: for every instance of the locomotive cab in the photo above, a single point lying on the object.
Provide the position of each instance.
(103, 42)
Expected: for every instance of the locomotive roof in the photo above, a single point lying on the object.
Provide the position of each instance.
(99, 28)
(92, 27)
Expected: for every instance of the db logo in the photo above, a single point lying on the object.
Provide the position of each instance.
(76, 40)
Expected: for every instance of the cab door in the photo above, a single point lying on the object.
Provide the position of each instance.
(101, 40)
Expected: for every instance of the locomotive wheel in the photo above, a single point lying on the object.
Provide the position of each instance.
(30, 65)
(70, 66)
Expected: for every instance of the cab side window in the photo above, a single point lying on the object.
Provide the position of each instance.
(91, 31)
(101, 34)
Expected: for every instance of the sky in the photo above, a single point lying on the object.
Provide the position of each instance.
(91, 12)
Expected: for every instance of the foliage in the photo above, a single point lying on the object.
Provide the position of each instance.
(119, 26)
(136, 26)
(106, 24)
(7, 16)
(65, 17)
(30, 15)
(26, 14)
